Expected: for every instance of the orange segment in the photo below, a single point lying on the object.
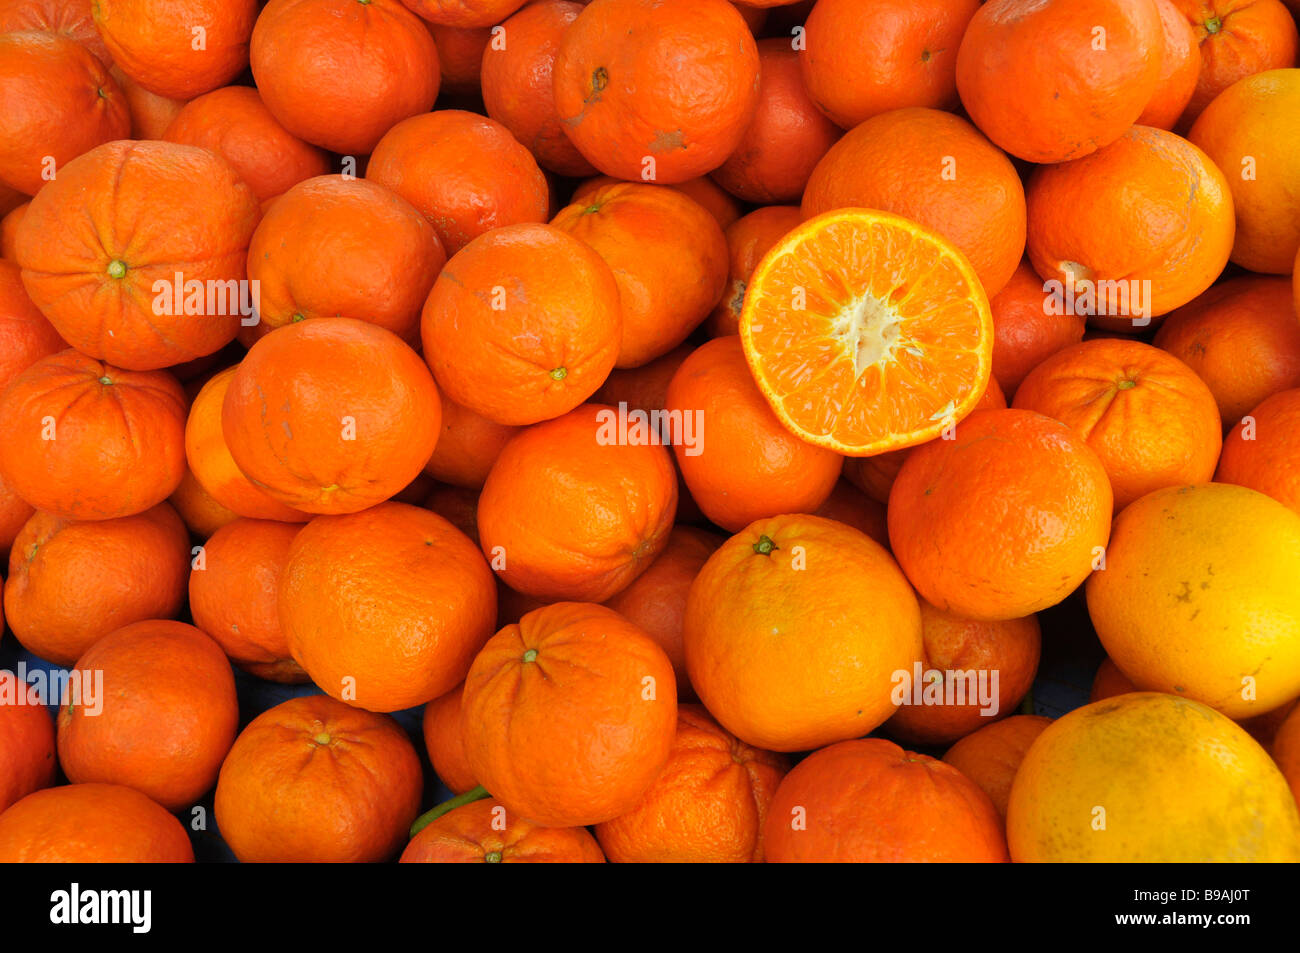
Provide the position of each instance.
(867, 332)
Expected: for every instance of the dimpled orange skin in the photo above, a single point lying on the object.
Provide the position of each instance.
(1090, 219)
(865, 59)
(313, 780)
(122, 218)
(794, 648)
(339, 74)
(466, 173)
(568, 513)
(25, 335)
(471, 834)
(92, 823)
(392, 582)
(59, 102)
(166, 719)
(716, 200)
(26, 742)
(745, 464)
(766, 168)
(331, 415)
(84, 440)
(339, 247)
(749, 238)
(870, 801)
(1242, 337)
(991, 756)
(708, 804)
(1252, 131)
(570, 715)
(673, 81)
(523, 325)
(1002, 521)
(668, 255)
(443, 739)
(1180, 68)
(1270, 460)
(154, 43)
(1030, 78)
(1147, 415)
(518, 88)
(938, 170)
(1024, 334)
(72, 18)
(464, 13)
(235, 123)
(234, 596)
(71, 582)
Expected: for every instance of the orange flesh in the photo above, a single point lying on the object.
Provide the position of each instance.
(891, 341)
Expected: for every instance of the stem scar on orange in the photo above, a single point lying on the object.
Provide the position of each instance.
(866, 332)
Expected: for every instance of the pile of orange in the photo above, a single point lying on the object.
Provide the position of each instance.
(665, 423)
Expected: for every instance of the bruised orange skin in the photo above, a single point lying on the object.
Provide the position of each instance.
(871, 801)
(27, 761)
(331, 415)
(313, 780)
(92, 823)
(101, 247)
(443, 739)
(991, 756)
(59, 102)
(169, 713)
(570, 715)
(657, 90)
(473, 834)
(339, 74)
(84, 440)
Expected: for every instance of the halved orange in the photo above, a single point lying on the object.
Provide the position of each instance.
(867, 332)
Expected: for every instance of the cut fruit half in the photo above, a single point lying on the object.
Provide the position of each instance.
(867, 332)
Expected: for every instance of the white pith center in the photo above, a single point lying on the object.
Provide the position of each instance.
(871, 329)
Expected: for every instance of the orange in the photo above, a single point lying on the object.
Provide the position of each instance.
(92, 823)
(871, 801)
(1194, 598)
(443, 739)
(992, 755)
(468, 444)
(234, 123)
(523, 324)
(233, 590)
(863, 59)
(1180, 68)
(137, 250)
(1252, 132)
(338, 73)
(25, 335)
(1002, 521)
(1144, 223)
(165, 719)
(1109, 681)
(864, 356)
(748, 240)
(518, 90)
(708, 805)
(716, 200)
(71, 582)
(655, 601)
(482, 832)
(766, 166)
(59, 102)
(1051, 80)
(331, 415)
(9, 226)
(609, 504)
(392, 582)
(150, 114)
(72, 18)
(938, 171)
(794, 629)
(84, 440)
(1150, 419)
(1242, 337)
(460, 58)
(1027, 330)
(1262, 451)
(668, 255)
(26, 741)
(851, 506)
(645, 387)
(958, 663)
(464, 13)
(1150, 778)
(465, 173)
(656, 90)
(1286, 751)
(570, 715)
(315, 781)
(14, 514)
(334, 246)
(739, 462)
